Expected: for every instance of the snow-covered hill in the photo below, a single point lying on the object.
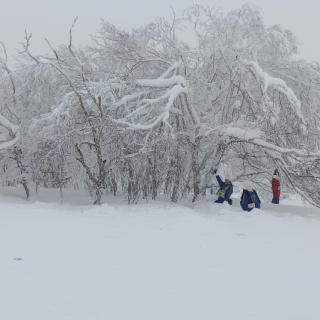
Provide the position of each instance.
(158, 261)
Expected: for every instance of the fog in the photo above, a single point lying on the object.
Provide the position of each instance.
(52, 19)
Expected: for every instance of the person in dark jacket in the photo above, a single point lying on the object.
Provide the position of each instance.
(275, 182)
(225, 190)
(250, 200)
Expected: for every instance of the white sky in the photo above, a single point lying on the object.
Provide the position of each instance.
(52, 18)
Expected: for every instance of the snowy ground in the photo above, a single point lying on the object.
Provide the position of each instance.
(157, 261)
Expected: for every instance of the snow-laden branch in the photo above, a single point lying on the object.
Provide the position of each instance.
(267, 81)
(13, 131)
(13, 136)
(173, 94)
(129, 98)
(170, 70)
(255, 137)
(162, 83)
(145, 112)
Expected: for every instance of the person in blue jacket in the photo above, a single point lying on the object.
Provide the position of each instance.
(250, 200)
(225, 190)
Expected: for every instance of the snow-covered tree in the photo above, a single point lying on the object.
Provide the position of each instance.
(151, 111)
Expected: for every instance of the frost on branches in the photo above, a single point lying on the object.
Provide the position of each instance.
(10, 132)
(149, 112)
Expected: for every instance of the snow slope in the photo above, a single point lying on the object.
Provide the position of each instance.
(158, 261)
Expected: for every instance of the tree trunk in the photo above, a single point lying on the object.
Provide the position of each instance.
(177, 178)
(195, 169)
(26, 188)
(98, 195)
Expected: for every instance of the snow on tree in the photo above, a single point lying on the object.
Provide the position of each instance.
(11, 136)
(148, 111)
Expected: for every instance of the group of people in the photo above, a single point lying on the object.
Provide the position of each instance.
(249, 198)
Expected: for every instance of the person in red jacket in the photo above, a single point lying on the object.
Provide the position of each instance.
(276, 187)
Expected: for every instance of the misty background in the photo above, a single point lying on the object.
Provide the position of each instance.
(52, 19)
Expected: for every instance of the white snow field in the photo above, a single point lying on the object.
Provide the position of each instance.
(157, 260)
